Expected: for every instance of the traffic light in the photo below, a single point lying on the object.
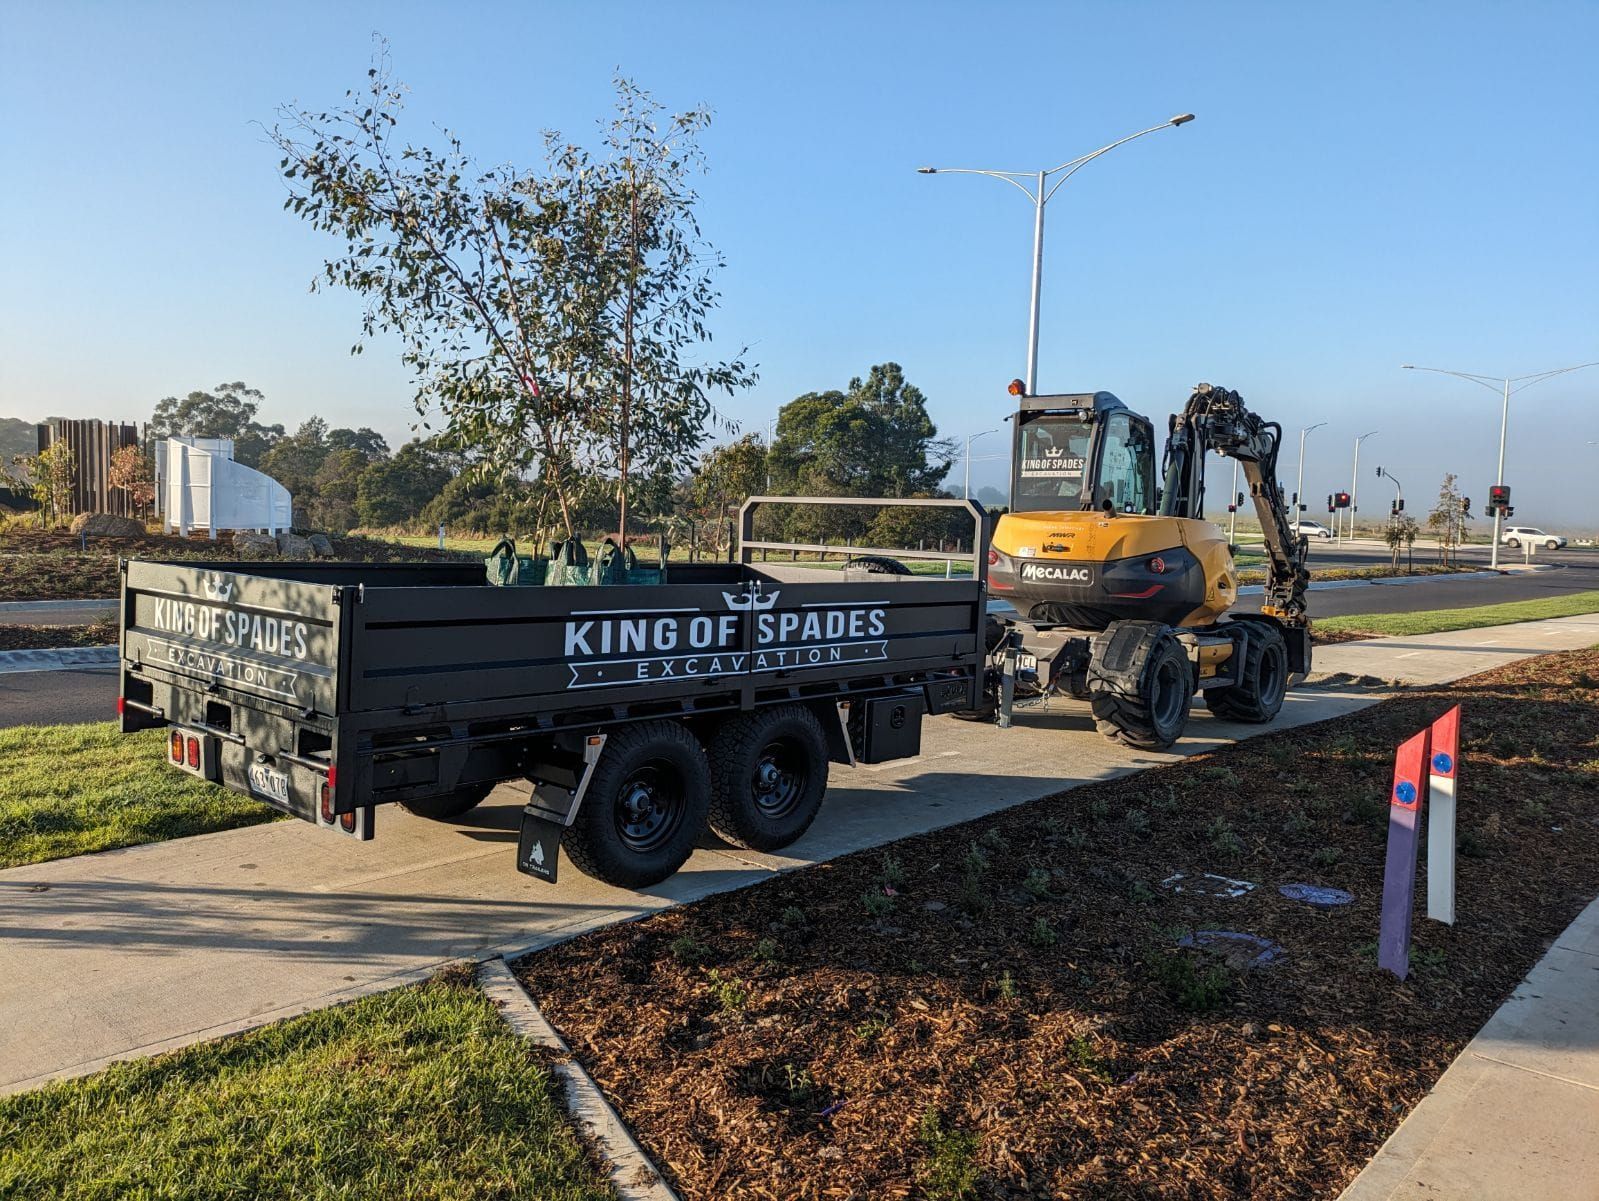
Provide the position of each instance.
(1465, 506)
(1341, 499)
(1330, 502)
(1499, 499)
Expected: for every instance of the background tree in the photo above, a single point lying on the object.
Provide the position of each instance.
(50, 476)
(1447, 521)
(1400, 535)
(228, 411)
(874, 439)
(132, 470)
(332, 505)
(367, 442)
(395, 491)
(725, 477)
(548, 317)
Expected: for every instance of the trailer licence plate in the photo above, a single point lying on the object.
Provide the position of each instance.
(269, 782)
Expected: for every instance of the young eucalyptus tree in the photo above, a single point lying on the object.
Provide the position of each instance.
(549, 315)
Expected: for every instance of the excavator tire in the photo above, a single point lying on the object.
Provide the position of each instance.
(1140, 684)
(1263, 681)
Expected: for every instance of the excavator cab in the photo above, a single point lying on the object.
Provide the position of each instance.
(1082, 452)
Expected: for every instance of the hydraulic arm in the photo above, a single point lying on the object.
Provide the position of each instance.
(1216, 419)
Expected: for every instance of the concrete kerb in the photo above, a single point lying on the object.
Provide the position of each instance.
(67, 658)
(632, 1174)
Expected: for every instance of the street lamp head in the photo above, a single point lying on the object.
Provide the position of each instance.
(927, 170)
(1182, 119)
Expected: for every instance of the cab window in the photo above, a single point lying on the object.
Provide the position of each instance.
(1053, 455)
(1127, 465)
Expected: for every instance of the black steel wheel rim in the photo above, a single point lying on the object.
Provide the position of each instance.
(778, 782)
(1169, 699)
(649, 806)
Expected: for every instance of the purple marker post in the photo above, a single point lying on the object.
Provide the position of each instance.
(1399, 872)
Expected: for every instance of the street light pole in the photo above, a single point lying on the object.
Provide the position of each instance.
(1354, 483)
(1038, 189)
(1501, 384)
(1299, 489)
(970, 438)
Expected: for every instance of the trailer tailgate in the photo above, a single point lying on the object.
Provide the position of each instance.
(229, 632)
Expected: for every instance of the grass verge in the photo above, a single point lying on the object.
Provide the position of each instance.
(68, 790)
(422, 1092)
(1008, 1008)
(35, 638)
(1440, 620)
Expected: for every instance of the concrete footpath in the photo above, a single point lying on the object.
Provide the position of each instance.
(1517, 1114)
(144, 949)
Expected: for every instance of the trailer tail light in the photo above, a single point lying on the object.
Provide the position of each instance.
(177, 746)
(327, 804)
(194, 752)
(347, 822)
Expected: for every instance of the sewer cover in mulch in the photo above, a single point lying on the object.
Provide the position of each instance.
(1238, 950)
(1207, 885)
(1315, 894)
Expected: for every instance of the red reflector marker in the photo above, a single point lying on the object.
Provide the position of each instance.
(333, 776)
(1144, 595)
(1157, 565)
(122, 703)
(194, 752)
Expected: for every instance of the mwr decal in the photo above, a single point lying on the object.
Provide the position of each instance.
(1041, 570)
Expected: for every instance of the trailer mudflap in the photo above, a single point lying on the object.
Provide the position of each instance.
(538, 845)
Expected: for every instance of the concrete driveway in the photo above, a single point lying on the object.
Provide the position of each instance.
(134, 951)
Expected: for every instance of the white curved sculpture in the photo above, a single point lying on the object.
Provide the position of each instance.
(201, 487)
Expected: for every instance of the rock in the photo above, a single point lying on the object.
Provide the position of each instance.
(321, 545)
(294, 546)
(249, 545)
(107, 525)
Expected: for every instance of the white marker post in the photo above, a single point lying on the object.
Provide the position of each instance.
(1443, 771)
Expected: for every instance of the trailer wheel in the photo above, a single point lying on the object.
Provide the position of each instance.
(448, 806)
(1263, 679)
(876, 565)
(645, 806)
(1144, 701)
(768, 774)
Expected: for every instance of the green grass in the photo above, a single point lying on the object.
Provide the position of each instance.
(1439, 620)
(422, 1092)
(68, 790)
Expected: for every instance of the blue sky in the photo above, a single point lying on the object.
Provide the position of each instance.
(1365, 185)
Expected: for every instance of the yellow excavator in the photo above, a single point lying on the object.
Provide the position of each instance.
(1120, 581)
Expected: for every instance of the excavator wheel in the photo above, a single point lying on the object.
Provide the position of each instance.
(1140, 685)
(1263, 681)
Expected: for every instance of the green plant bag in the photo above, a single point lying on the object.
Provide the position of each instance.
(621, 566)
(507, 569)
(569, 565)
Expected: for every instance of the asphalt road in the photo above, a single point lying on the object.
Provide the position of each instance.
(51, 698)
(1445, 592)
(56, 613)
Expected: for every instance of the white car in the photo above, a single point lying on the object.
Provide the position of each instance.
(1313, 529)
(1516, 535)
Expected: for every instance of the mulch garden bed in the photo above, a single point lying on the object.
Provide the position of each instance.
(36, 638)
(1004, 1010)
(53, 564)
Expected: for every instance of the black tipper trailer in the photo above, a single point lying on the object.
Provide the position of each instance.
(638, 713)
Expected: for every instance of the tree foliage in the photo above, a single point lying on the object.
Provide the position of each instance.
(228, 411)
(553, 318)
(132, 470)
(395, 491)
(50, 476)
(1447, 521)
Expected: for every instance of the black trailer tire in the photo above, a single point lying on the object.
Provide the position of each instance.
(448, 806)
(1155, 716)
(1263, 680)
(768, 776)
(876, 565)
(645, 806)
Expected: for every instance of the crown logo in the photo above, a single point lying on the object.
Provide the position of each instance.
(216, 588)
(747, 601)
